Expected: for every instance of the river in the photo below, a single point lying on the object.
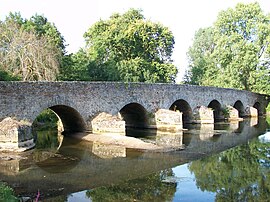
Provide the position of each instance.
(220, 162)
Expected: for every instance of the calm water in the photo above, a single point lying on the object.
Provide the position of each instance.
(221, 162)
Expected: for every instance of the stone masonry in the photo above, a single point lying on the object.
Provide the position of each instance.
(78, 103)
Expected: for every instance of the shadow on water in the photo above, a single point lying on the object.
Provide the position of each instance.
(80, 165)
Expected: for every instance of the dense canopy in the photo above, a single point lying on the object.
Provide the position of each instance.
(234, 52)
(129, 48)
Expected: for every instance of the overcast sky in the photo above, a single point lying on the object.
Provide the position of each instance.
(74, 17)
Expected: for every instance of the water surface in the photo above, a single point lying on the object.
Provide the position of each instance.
(221, 162)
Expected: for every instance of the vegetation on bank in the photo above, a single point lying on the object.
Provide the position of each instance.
(7, 193)
(238, 174)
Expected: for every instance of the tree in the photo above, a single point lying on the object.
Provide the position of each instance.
(26, 53)
(149, 188)
(199, 56)
(239, 54)
(233, 176)
(75, 67)
(129, 48)
(43, 28)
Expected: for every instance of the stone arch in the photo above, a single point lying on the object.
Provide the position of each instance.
(258, 106)
(183, 107)
(71, 119)
(240, 107)
(135, 115)
(216, 106)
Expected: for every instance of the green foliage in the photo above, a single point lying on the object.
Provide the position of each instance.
(75, 68)
(46, 119)
(40, 25)
(129, 48)
(5, 76)
(268, 108)
(141, 189)
(47, 139)
(7, 193)
(239, 174)
(199, 56)
(268, 120)
(234, 52)
(225, 112)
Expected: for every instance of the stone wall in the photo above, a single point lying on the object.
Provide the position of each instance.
(77, 103)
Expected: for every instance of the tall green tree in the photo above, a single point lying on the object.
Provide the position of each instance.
(199, 56)
(239, 174)
(129, 48)
(30, 49)
(239, 56)
(43, 28)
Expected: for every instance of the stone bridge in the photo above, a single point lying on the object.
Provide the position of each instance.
(112, 106)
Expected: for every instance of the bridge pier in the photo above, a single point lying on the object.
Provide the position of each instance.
(251, 111)
(162, 120)
(231, 114)
(168, 120)
(203, 115)
(16, 135)
(107, 123)
(206, 131)
(169, 139)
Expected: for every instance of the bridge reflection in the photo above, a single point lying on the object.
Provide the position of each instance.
(78, 165)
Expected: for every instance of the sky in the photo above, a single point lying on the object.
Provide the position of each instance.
(74, 17)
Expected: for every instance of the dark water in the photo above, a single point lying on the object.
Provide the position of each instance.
(221, 162)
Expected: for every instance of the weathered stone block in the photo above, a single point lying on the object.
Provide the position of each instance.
(233, 125)
(251, 111)
(203, 115)
(206, 131)
(108, 151)
(107, 123)
(168, 120)
(253, 121)
(232, 113)
(168, 139)
(15, 135)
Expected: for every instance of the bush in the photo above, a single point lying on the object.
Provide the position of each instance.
(7, 193)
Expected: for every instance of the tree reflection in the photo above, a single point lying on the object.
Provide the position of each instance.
(150, 188)
(239, 174)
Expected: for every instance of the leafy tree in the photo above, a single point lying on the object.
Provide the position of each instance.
(43, 28)
(29, 53)
(238, 51)
(7, 193)
(129, 48)
(75, 67)
(233, 176)
(200, 56)
(150, 188)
